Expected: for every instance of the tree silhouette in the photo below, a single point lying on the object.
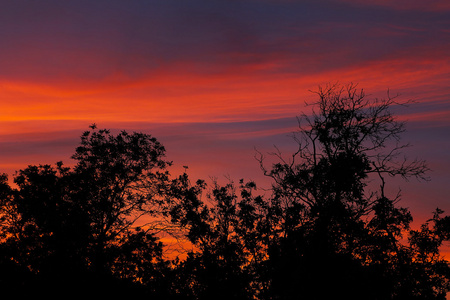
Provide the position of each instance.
(70, 224)
(119, 179)
(221, 231)
(333, 231)
(321, 232)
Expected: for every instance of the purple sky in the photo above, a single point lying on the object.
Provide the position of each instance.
(213, 80)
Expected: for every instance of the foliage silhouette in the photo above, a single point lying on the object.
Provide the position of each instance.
(74, 223)
(331, 227)
(227, 243)
(321, 232)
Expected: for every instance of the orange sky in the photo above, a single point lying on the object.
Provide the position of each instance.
(213, 80)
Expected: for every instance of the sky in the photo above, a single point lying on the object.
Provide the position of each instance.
(213, 80)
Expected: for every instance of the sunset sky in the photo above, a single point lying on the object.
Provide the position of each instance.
(213, 80)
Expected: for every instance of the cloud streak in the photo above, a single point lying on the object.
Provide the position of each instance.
(212, 79)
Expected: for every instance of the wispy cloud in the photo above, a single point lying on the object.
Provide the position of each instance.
(212, 79)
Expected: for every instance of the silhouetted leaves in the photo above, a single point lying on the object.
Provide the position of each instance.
(330, 221)
(79, 222)
(319, 233)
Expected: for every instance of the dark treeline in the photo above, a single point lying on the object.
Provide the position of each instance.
(320, 233)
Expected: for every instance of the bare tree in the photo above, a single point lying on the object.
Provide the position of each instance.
(347, 137)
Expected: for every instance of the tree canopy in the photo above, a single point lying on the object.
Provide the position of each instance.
(324, 230)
